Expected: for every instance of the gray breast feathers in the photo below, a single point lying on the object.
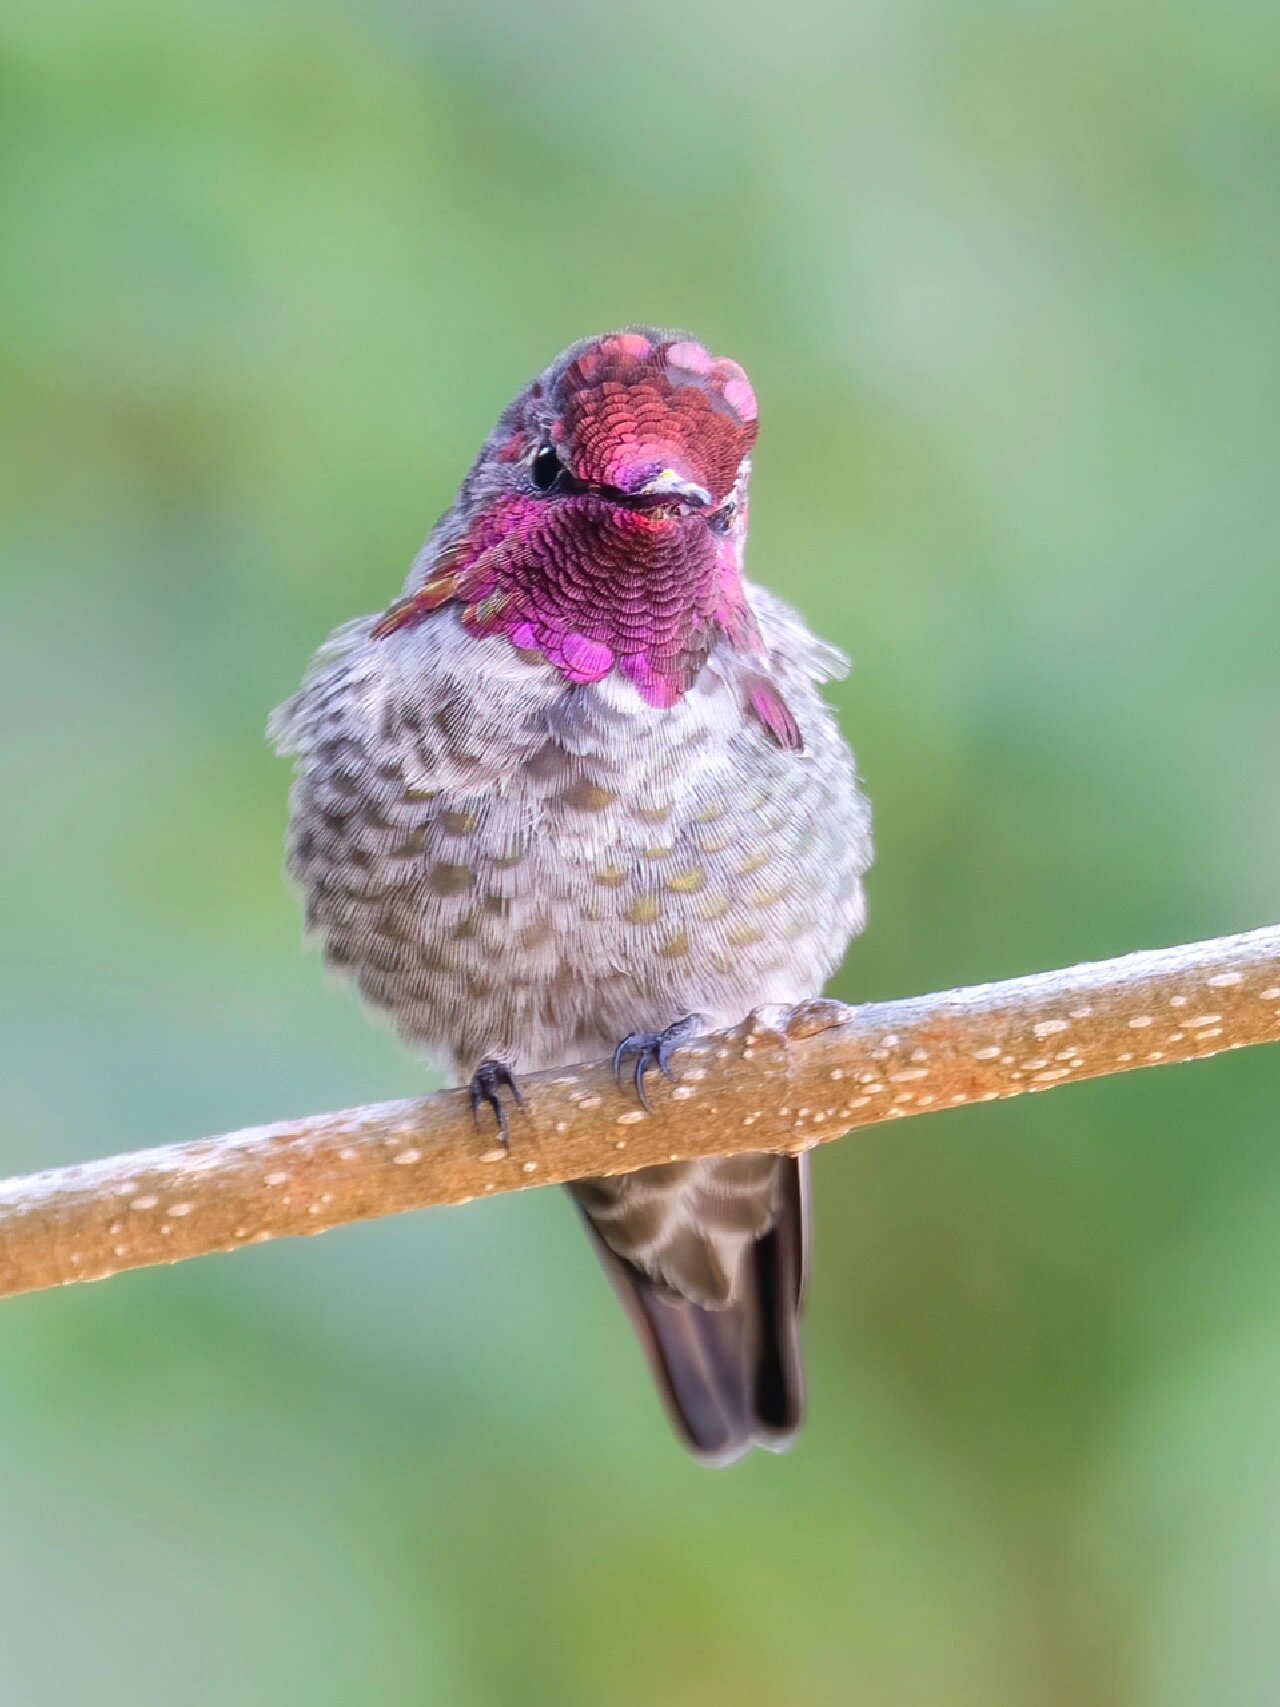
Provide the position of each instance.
(511, 866)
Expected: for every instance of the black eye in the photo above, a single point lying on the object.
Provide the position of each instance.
(722, 520)
(546, 467)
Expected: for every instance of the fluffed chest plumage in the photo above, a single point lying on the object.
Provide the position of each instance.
(510, 865)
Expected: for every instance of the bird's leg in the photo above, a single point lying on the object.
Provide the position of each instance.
(654, 1049)
(488, 1082)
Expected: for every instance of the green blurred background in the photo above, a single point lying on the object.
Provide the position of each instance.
(1006, 279)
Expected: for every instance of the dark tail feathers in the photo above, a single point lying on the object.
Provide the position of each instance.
(733, 1377)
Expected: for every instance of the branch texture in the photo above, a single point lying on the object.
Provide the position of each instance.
(785, 1079)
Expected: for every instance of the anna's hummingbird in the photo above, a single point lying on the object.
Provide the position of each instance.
(577, 789)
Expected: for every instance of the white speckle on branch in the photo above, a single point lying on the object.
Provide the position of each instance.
(1047, 1027)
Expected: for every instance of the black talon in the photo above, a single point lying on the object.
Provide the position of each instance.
(654, 1049)
(487, 1082)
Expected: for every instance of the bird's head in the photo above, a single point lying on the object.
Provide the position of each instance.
(650, 424)
(602, 527)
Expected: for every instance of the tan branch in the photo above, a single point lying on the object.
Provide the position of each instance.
(785, 1079)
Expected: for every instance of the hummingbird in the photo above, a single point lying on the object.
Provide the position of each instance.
(577, 790)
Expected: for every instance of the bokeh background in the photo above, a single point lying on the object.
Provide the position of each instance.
(1006, 279)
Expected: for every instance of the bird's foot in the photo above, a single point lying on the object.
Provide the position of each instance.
(654, 1049)
(489, 1080)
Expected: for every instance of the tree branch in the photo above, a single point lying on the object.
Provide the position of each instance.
(785, 1079)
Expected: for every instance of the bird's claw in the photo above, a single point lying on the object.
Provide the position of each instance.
(654, 1049)
(488, 1081)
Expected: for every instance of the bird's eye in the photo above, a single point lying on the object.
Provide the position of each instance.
(722, 520)
(546, 467)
